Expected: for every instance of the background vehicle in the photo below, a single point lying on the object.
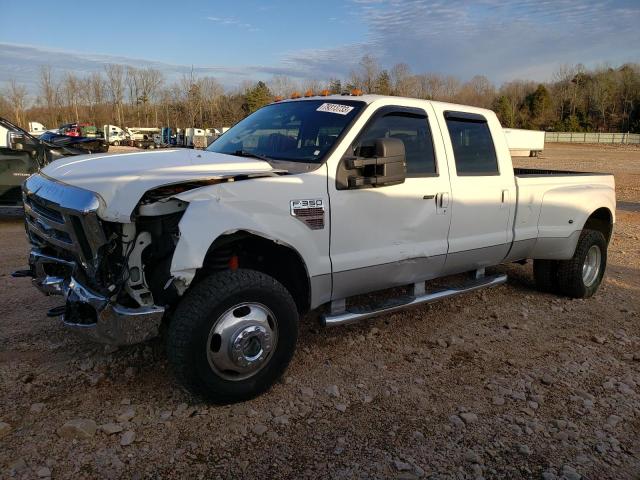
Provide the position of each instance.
(84, 144)
(524, 143)
(36, 128)
(22, 154)
(304, 204)
(114, 135)
(78, 130)
(142, 137)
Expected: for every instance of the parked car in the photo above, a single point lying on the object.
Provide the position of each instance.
(303, 205)
(85, 144)
(22, 154)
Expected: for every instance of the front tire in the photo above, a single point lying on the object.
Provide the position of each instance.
(232, 335)
(580, 276)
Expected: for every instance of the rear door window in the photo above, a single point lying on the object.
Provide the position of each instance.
(472, 144)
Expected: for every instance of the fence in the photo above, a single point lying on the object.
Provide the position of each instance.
(577, 137)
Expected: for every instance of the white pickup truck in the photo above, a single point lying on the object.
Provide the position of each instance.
(304, 204)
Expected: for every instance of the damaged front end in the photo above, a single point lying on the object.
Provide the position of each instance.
(101, 268)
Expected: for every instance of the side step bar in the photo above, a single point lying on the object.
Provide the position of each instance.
(357, 313)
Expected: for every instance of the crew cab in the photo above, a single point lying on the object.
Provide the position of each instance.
(305, 204)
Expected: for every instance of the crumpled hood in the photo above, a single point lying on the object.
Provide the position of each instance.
(122, 179)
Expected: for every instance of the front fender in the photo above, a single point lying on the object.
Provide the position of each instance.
(260, 206)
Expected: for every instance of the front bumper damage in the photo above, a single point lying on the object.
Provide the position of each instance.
(67, 236)
(89, 313)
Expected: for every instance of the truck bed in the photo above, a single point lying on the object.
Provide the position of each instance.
(538, 172)
(550, 203)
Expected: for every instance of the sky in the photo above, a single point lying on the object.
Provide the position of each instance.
(241, 40)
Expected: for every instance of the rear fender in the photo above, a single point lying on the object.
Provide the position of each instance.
(563, 215)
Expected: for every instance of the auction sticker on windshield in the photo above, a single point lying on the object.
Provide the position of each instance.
(335, 108)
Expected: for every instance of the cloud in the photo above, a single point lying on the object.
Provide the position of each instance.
(497, 38)
(525, 39)
(232, 21)
(23, 63)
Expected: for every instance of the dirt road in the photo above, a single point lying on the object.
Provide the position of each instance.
(504, 383)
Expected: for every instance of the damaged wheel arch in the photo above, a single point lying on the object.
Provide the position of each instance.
(253, 250)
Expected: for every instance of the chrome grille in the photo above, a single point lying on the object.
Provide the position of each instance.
(64, 218)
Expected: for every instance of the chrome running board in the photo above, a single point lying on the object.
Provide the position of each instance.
(357, 313)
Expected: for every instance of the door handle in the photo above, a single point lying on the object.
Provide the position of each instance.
(505, 197)
(428, 197)
(443, 201)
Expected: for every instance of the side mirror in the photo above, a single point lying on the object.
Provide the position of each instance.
(387, 167)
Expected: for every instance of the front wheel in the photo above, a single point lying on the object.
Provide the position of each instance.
(232, 335)
(580, 276)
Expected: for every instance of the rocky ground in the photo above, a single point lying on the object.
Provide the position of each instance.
(504, 383)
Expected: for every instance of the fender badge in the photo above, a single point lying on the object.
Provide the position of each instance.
(310, 212)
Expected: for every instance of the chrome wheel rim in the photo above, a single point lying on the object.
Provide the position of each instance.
(242, 341)
(591, 266)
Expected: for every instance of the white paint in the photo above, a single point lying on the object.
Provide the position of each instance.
(121, 180)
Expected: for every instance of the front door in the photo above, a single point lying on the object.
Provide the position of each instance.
(15, 167)
(396, 234)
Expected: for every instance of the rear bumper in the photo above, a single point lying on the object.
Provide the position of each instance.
(90, 313)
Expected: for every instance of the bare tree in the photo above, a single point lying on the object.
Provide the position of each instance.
(71, 91)
(282, 86)
(369, 73)
(192, 98)
(515, 94)
(478, 91)
(149, 82)
(563, 87)
(577, 99)
(115, 87)
(629, 90)
(17, 97)
(49, 94)
(211, 92)
(5, 107)
(404, 84)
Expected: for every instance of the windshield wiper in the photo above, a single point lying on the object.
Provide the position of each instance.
(244, 153)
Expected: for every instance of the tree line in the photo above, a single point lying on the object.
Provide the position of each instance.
(603, 99)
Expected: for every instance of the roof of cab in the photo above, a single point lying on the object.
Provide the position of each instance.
(370, 98)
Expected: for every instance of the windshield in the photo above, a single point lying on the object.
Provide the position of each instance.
(302, 131)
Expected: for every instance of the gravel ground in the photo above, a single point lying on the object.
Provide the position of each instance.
(503, 383)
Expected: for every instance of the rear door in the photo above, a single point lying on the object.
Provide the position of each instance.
(483, 191)
(395, 234)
